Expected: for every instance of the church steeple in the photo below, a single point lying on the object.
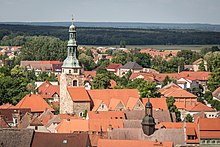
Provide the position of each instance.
(148, 122)
(71, 61)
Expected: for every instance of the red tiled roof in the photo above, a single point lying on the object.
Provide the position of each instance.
(195, 62)
(106, 115)
(78, 94)
(107, 94)
(200, 107)
(104, 124)
(132, 143)
(146, 76)
(47, 90)
(157, 103)
(72, 125)
(6, 106)
(209, 127)
(176, 92)
(114, 66)
(89, 73)
(35, 102)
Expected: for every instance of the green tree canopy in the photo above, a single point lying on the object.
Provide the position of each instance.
(214, 80)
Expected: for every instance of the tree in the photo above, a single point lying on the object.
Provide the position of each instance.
(168, 80)
(214, 80)
(148, 89)
(189, 118)
(202, 66)
(213, 60)
(142, 59)
(101, 81)
(87, 61)
(172, 108)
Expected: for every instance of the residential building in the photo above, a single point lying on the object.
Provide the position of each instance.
(130, 66)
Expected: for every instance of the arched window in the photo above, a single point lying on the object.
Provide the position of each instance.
(74, 82)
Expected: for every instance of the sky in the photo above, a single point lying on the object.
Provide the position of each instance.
(149, 11)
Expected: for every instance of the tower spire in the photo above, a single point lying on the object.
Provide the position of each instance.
(72, 19)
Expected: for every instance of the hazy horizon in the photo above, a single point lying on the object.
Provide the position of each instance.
(131, 11)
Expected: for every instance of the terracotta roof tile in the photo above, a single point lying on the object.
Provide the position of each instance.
(78, 94)
(97, 104)
(72, 125)
(35, 102)
(6, 106)
(132, 143)
(107, 94)
(104, 124)
(47, 90)
(131, 103)
(106, 115)
(157, 103)
(114, 66)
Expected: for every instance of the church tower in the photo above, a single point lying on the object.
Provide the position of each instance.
(71, 75)
(148, 122)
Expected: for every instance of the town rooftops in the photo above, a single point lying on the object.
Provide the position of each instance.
(131, 65)
(209, 127)
(106, 115)
(47, 90)
(78, 94)
(35, 102)
(107, 94)
(132, 143)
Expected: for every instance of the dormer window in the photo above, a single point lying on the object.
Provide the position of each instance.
(75, 70)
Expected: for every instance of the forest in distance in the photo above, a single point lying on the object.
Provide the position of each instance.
(16, 34)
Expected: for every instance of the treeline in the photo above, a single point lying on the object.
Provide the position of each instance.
(14, 35)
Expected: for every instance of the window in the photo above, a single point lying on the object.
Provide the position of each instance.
(36, 128)
(69, 71)
(75, 70)
(102, 106)
(75, 83)
(81, 114)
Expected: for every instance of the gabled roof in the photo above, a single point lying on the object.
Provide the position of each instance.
(157, 103)
(132, 102)
(114, 103)
(97, 103)
(5, 106)
(200, 107)
(60, 139)
(35, 102)
(132, 143)
(106, 95)
(175, 91)
(89, 73)
(106, 115)
(78, 94)
(216, 93)
(36, 122)
(131, 65)
(114, 66)
(47, 90)
(72, 125)
(145, 76)
(197, 61)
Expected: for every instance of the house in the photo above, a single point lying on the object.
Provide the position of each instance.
(115, 99)
(130, 66)
(114, 68)
(209, 131)
(157, 103)
(216, 94)
(43, 66)
(179, 94)
(132, 143)
(197, 63)
(144, 76)
(35, 102)
(13, 116)
(49, 91)
(154, 52)
(37, 125)
(195, 109)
